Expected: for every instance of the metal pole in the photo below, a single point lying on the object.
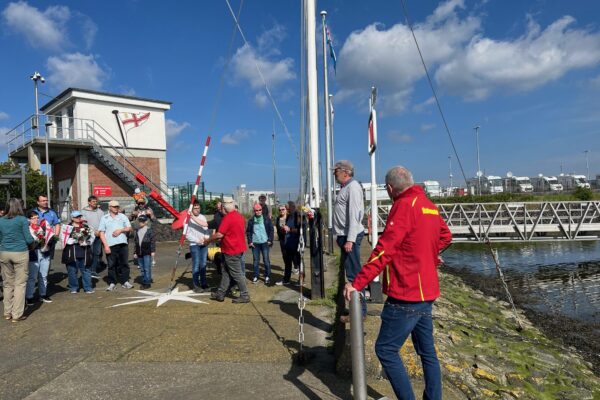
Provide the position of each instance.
(450, 163)
(327, 139)
(313, 109)
(35, 78)
(357, 348)
(375, 286)
(331, 119)
(24, 188)
(478, 165)
(587, 164)
(47, 125)
(274, 168)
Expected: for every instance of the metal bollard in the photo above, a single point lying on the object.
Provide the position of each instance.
(357, 346)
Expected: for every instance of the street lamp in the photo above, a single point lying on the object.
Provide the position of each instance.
(48, 125)
(35, 78)
(587, 164)
(478, 165)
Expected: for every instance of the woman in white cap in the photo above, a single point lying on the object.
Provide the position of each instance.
(77, 254)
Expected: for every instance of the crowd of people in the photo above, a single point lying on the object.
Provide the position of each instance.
(28, 240)
(408, 252)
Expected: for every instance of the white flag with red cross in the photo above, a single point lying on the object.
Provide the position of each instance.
(133, 120)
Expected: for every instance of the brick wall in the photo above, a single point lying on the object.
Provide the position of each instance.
(99, 175)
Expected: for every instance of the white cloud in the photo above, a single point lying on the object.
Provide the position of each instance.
(173, 128)
(3, 138)
(427, 127)
(463, 61)
(49, 29)
(41, 29)
(3, 115)
(235, 137)
(274, 70)
(388, 58)
(536, 58)
(420, 107)
(398, 137)
(75, 70)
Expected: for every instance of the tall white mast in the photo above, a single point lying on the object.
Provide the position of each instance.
(327, 138)
(313, 110)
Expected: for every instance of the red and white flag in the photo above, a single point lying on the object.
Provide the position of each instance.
(65, 232)
(133, 120)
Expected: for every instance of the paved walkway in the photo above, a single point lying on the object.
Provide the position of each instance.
(79, 347)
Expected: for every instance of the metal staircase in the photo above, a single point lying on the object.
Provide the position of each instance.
(113, 165)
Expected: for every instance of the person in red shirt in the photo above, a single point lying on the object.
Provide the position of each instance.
(231, 233)
(408, 253)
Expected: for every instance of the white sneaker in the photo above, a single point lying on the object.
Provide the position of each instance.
(267, 280)
(255, 280)
(296, 271)
(281, 283)
(127, 285)
(90, 291)
(111, 287)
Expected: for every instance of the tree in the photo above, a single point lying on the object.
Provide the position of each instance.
(35, 184)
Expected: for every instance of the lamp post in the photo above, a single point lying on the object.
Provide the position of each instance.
(48, 124)
(587, 163)
(35, 78)
(478, 165)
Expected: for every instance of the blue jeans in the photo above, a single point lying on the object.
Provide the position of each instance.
(86, 275)
(256, 252)
(145, 263)
(96, 253)
(37, 273)
(398, 320)
(351, 263)
(199, 254)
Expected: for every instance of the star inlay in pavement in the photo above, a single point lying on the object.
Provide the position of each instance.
(163, 297)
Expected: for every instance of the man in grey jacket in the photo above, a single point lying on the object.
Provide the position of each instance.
(348, 213)
(92, 214)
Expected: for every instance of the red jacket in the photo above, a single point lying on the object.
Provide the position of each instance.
(408, 249)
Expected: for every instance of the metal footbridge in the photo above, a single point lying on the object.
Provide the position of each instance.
(517, 221)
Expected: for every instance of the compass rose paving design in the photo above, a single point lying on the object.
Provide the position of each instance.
(163, 297)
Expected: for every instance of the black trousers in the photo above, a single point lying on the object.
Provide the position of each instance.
(118, 267)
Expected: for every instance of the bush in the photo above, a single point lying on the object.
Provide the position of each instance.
(583, 194)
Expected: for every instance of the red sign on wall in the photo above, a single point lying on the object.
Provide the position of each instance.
(102, 191)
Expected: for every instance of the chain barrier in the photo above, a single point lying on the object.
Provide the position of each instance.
(301, 298)
(501, 274)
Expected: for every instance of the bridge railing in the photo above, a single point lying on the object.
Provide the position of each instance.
(519, 221)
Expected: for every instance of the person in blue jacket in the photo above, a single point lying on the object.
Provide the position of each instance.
(259, 233)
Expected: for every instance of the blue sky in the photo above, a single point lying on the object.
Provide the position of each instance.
(527, 72)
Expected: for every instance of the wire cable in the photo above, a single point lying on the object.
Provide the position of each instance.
(437, 101)
(267, 90)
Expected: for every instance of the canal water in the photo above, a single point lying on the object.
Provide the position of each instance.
(557, 278)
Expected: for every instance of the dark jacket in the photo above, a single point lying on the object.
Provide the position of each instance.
(290, 239)
(216, 221)
(68, 254)
(268, 228)
(147, 245)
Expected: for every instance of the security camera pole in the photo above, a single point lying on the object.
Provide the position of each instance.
(48, 124)
(35, 78)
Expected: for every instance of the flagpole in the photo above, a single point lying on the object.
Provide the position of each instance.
(327, 139)
(331, 124)
(274, 169)
(313, 109)
(116, 112)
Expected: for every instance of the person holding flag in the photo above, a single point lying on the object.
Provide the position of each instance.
(49, 218)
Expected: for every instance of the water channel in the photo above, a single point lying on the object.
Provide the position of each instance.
(557, 278)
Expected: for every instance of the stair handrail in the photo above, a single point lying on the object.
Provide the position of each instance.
(122, 152)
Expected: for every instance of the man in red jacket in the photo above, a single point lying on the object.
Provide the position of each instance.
(231, 233)
(408, 253)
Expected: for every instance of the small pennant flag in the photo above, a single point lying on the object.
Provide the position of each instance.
(332, 111)
(133, 120)
(331, 50)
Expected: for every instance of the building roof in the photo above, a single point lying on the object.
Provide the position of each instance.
(67, 91)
